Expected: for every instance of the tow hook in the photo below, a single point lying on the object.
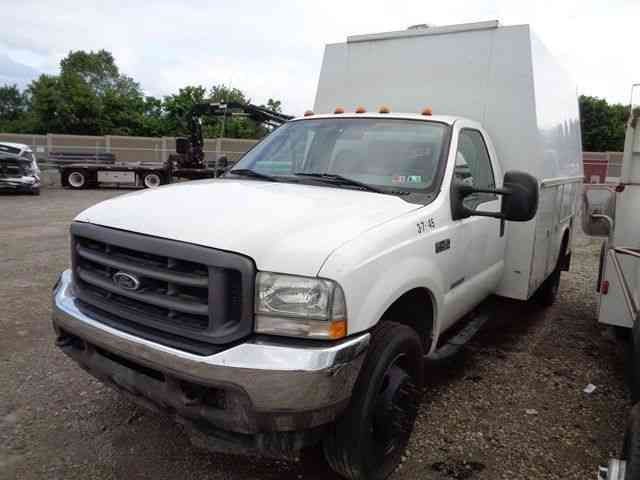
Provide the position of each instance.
(615, 470)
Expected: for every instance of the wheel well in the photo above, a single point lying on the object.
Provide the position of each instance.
(414, 309)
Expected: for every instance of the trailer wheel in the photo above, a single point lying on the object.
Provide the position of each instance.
(151, 180)
(631, 448)
(368, 440)
(76, 179)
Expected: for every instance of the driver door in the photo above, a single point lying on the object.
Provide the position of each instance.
(479, 241)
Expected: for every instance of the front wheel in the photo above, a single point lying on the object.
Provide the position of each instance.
(76, 179)
(368, 440)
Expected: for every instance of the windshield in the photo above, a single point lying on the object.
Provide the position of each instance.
(394, 153)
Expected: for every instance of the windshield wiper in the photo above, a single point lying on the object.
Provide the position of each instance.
(340, 180)
(247, 172)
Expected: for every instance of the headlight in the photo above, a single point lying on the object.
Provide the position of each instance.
(299, 307)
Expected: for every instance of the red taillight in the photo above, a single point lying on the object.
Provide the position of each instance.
(620, 188)
(604, 287)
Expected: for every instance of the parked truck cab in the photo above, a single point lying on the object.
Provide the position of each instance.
(355, 243)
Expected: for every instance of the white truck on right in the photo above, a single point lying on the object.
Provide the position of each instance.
(613, 212)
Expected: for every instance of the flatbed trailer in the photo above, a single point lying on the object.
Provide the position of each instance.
(188, 162)
(90, 175)
(139, 174)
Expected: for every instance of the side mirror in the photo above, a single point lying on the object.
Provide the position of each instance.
(182, 146)
(598, 210)
(520, 202)
(519, 198)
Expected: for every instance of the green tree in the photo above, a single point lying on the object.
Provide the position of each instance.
(97, 69)
(153, 121)
(223, 94)
(603, 125)
(14, 109)
(177, 107)
(13, 103)
(90, 96)
(275, 105)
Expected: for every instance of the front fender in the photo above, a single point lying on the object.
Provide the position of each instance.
(372, 282)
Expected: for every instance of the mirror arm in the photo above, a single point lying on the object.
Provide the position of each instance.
(465, 190)
(476, 213)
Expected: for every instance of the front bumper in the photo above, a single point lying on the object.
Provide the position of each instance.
(18, 185)
(262, 385)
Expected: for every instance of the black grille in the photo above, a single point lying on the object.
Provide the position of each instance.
(184, 290)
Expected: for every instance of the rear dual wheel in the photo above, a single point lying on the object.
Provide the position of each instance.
(368, 441)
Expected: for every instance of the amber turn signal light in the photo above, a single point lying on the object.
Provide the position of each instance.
(360, 109)
(427, 111)
(384, 109)
(338, 329)
(308, 113)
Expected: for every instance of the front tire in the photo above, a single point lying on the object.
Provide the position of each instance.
(368, 440)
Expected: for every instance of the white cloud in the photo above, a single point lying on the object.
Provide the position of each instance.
(274, 49)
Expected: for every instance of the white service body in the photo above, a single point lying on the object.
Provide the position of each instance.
(502, 77)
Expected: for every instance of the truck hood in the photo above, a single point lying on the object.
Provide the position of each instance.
(283, 227)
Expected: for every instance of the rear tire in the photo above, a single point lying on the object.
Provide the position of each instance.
(547, 294)
(368, 440)
(76, 179)
(151, 180)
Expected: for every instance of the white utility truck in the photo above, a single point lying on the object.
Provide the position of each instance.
(354, 243)
(613, 212)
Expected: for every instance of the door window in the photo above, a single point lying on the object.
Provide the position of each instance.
(473, 166)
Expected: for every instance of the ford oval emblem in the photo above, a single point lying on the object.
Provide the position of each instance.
(126, 281)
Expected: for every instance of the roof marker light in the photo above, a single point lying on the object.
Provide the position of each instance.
(360, 109)
(427, 111)
(384, 109)
(308, 113)
(339, 110)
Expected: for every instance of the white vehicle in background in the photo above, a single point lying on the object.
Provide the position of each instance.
(19, 170)
(354, 243)
(614, 213)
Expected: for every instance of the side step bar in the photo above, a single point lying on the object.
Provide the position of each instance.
(455, 343)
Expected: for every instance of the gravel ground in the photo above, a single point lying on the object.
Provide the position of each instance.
(510, 406)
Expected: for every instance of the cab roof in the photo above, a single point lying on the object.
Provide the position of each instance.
(447, 119)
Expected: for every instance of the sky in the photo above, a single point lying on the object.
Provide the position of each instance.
(273, 48)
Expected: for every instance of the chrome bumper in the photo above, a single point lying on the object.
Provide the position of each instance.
(287, 386)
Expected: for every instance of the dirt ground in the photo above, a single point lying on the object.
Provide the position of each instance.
(510, 406)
